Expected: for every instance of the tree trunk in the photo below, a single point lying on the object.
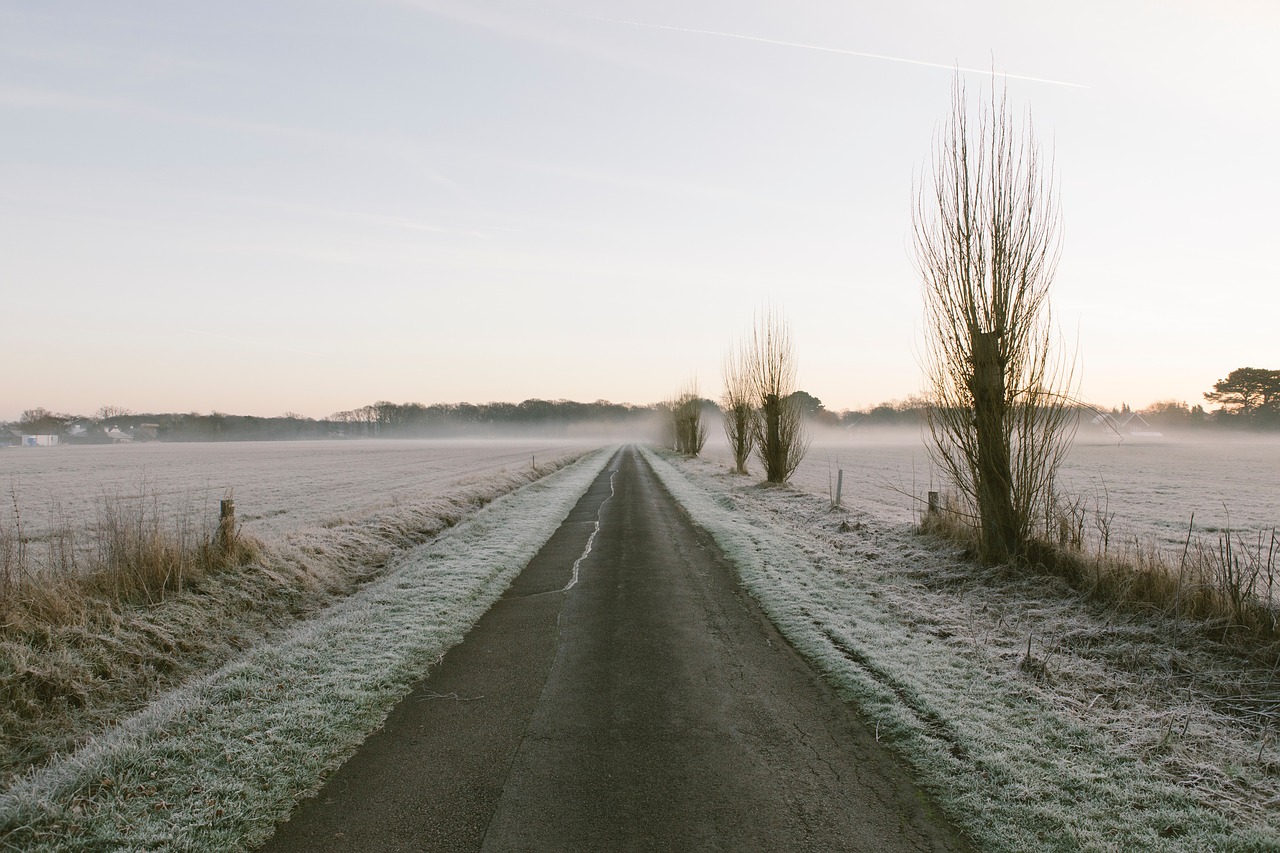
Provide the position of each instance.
(994, 478)
(774, 454)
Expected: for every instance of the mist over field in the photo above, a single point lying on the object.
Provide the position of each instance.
(278, 486)
(1151, 486)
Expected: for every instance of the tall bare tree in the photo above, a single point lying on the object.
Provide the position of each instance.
(987, 240)
(780, 442)
(737, 407)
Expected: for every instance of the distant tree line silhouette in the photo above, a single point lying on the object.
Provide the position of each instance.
(1248, 398)
(382, 419)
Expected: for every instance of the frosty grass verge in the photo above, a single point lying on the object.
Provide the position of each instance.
(1016, 773)
(214, 764)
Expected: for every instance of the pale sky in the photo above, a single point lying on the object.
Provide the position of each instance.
(257, 207)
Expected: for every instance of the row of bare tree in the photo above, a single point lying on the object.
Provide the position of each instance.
(760, 408)
(987, 240)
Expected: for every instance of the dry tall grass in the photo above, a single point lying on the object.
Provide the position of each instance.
(136, 554)
(1230, 585)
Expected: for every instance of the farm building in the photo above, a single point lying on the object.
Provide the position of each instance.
(1135, 425)
(1127, 424)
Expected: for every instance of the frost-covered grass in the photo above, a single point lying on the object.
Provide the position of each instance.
(1149, 491)
(85, 641)
(215, 763)
(279, 486)
(1040, 721)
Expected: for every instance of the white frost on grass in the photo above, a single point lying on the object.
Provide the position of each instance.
(216, 763)
(1004, 755)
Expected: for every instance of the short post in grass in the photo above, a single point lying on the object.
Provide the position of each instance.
(935, 504)
(839, 485)
(226, 523)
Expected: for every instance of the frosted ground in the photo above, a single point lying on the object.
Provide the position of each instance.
(1151, 487)
(1042, 722)
(213, 764)
(278, 486)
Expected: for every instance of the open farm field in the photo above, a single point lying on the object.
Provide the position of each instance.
(211, 760)
(116, 584)
(1149, 489)
(277, 486)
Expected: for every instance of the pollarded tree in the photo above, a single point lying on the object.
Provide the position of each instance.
(987, 241)
(779, 427)
(687, 428)
(738, 409)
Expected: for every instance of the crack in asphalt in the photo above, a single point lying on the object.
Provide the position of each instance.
(592, 538)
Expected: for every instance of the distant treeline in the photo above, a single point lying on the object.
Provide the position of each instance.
(378, 420)
(1249, 399)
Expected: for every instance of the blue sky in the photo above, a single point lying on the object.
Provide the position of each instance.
(262, 207)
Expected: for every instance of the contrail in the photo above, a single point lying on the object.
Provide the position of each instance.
(830, 50)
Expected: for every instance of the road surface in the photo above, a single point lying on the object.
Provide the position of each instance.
(632, 699)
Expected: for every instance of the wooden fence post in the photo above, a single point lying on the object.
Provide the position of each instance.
(226, 523)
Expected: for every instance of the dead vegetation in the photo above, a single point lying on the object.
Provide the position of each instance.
(90, 630)
(134, 555)
(1226, 585)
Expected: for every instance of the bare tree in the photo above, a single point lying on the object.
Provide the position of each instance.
(689, 431)
(987, 242)
(108, 412)
(738, 408)
(779, 427)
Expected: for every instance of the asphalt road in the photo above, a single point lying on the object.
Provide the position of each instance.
(645, 705)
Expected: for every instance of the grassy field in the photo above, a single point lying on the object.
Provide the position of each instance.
(279, 486)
